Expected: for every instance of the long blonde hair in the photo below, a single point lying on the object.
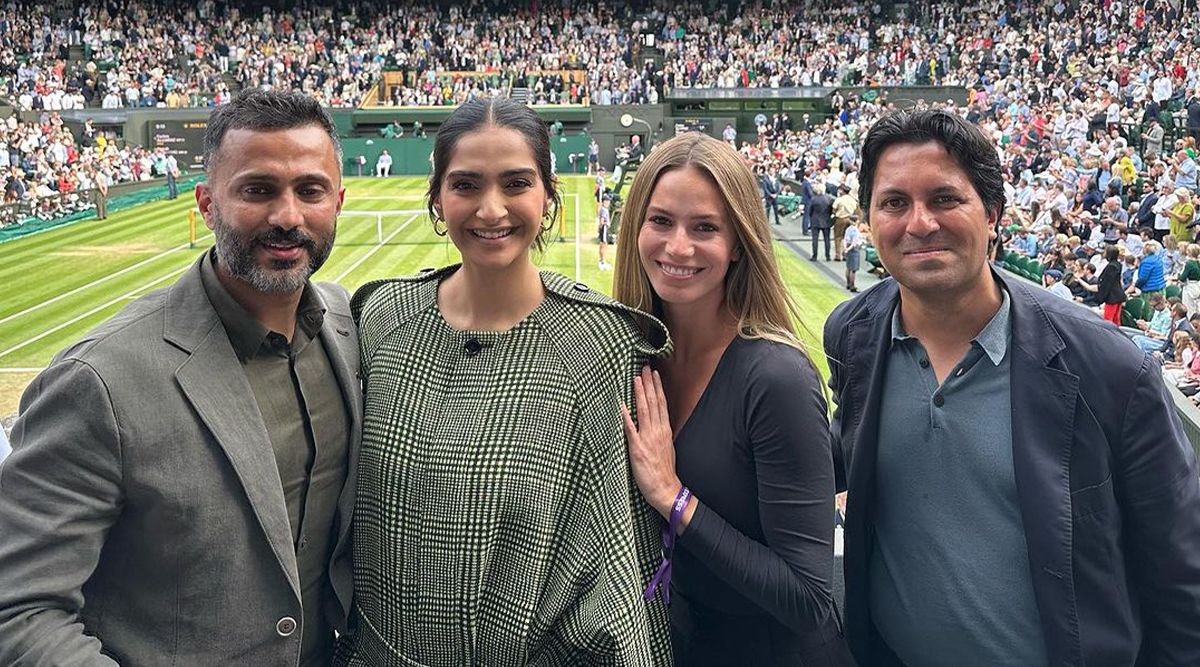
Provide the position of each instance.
(754, 290)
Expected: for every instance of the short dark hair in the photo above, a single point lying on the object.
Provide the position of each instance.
(481, 113)
(961, 139)
(264, 111)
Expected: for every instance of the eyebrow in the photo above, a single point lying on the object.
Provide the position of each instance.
(312, 177)
(701, 216)
(466, 173)
(940, 190)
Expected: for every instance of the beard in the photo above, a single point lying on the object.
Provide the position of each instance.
(237, 252)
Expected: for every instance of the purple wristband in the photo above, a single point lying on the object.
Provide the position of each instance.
(662, 578)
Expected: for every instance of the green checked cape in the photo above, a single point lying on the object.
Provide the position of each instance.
(497, 522)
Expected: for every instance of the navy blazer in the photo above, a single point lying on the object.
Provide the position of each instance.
(1108, 484)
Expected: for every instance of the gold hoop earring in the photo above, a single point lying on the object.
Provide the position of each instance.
(439, 221)
(547, 222)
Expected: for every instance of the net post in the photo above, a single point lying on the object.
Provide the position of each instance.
(379, 228)
(192, 228)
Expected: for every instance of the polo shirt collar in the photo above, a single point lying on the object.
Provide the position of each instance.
(993, 338)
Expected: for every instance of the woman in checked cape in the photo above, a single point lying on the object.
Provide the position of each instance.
(496, 520)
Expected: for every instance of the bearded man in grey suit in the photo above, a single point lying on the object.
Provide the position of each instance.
(179, 490)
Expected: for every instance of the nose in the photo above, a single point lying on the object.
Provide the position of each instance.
(287, 212)
(492, 207)
(921, 221)
(678, 244)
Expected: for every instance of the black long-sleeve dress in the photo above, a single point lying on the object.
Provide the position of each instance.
(752, 571)
(1110, 290)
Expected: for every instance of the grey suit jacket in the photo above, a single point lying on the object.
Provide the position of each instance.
(142, 520)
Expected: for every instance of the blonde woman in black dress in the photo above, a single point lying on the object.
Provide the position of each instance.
(731, 443)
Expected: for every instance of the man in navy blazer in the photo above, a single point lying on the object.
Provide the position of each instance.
(1020, 487)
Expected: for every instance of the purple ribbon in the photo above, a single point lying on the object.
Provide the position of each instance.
(662, 577)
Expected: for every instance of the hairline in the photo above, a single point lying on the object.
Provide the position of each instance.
(218, 154)
(921, 136)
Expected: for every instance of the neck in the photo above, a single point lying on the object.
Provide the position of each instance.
(952, 318)
(490, 300)
(698, 329)
(276, 312)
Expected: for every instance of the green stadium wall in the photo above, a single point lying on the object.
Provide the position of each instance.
(410, 155)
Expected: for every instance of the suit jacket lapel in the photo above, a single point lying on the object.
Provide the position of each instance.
(867, 342)
(341, 343)
(866, 335)
(1043, 418)
(215, 384)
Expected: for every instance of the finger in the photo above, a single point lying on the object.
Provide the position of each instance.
(663, 412)
(651, 395)
(639, 398)
(631, 431)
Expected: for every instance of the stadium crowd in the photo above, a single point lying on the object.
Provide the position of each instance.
(49, 172)
(193, 54)
(1036, 70)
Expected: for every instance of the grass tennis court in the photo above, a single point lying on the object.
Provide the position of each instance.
(63, 282)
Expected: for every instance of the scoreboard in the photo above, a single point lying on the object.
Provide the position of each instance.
(701, 125)
(182, 138)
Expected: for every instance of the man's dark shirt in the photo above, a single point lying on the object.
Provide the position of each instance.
(308, 424)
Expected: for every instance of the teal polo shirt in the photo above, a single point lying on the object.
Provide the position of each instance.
(949, 571)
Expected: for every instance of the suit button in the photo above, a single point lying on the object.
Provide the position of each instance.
(938, 400)
(286, 626)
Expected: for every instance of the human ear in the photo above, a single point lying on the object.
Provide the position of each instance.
(204, 202)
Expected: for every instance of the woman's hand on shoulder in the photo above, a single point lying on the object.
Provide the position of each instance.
(652, 443)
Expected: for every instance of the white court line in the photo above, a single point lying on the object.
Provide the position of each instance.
(577, 248)
(372, 251)
(132, 293)
(105, 279)
(93, 311)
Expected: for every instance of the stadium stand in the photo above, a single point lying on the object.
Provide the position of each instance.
(196, 54)
(1071, 92)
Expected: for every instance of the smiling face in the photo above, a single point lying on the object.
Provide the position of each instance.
(687, 241)
(272, 200)
(492, 198)
(928, 222)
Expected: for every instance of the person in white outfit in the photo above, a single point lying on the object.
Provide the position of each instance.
(383, 166)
